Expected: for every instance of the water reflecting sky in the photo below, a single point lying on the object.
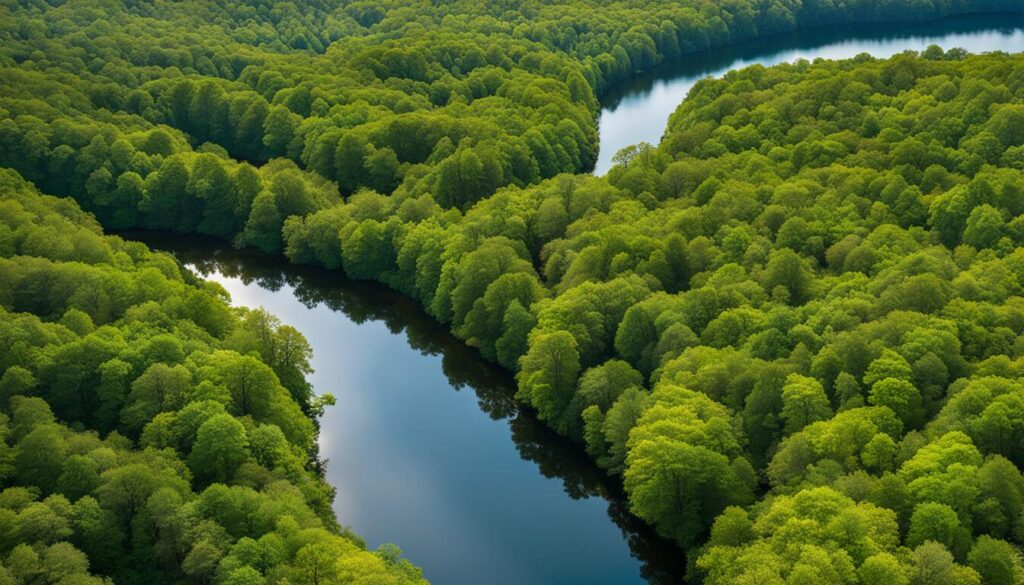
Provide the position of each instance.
(638, 109)
(426, 446)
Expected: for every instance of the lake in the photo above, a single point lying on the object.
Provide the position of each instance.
(427, 447)
(638, 109)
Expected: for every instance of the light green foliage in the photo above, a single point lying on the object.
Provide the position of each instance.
(221, 446)
(933, 522)
(799, 539)
(900, 396)
(683, 466)
(129, 506)
(803, 402)
(601, 386)
(997, 562)
(548, 376)
(807, 239)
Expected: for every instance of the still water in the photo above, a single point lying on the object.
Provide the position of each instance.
(638, 109)
(427, 447)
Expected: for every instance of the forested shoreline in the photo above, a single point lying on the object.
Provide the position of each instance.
(791, 327)
(451, 101)
(151, 433)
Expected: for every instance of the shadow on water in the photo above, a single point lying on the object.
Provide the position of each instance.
(662, 563)
(715, 60)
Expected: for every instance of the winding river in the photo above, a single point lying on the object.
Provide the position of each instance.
(426, 446)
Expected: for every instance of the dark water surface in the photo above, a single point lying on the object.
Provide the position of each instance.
(427, 447)
(638, 109)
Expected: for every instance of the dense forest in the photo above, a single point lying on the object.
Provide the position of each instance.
(134, 108)
(792, 327)
(150, 433)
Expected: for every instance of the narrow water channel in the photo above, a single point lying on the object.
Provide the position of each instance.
(638, 109)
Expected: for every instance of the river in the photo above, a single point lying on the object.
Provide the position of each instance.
(427, 447)
(638, 109)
